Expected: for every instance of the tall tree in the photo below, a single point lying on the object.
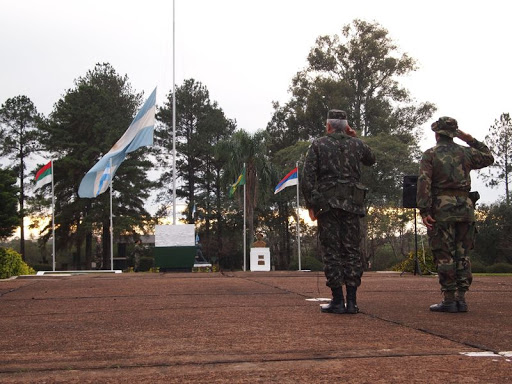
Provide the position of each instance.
(83, 126)
(192, 107)
(362, 68)
(18, 140)
(9, 218)
(251, 150)
(357, 72)
(494, 238)
(210, 191)
(499, 140)
(202, 130)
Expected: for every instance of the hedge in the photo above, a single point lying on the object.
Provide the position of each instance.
(11, 264)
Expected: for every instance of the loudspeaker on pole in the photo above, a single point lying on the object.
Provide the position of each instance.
(409, 191)
(410, 188)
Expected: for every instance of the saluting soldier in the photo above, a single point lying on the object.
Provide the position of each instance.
(447, 208)
(335, 197)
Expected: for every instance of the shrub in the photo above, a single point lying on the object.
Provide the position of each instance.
(11, 264)
(426, 263)
(499, 268)
(384, 258)
(477, 266)
(42, 267)
(146, 263)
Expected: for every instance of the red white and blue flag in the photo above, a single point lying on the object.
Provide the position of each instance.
(290, 179)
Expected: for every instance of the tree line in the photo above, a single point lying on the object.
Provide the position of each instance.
(358, 71)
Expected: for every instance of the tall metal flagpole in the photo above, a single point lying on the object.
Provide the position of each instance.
(111, 221)
(298, 218)
(245, 231)
(53, 220)
(173, 114)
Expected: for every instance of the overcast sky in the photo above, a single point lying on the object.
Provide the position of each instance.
(246, 52)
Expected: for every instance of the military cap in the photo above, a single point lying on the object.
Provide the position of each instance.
(337, 114)
(446, 126)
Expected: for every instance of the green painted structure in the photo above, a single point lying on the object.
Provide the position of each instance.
(175, 258)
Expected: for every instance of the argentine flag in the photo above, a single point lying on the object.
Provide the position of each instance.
(138, 134)
(290, 179)
(104, 182)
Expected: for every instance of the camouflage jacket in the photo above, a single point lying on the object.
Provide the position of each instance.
(334, 161)
(444, 179)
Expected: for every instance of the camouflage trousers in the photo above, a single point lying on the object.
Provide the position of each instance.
(450, 243)
(340, 237)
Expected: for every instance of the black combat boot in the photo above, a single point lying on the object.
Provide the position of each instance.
(461, 301)
(351, 300)
(447, 305)
(337, 304)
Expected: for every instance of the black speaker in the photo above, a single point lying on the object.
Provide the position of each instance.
(409, 192)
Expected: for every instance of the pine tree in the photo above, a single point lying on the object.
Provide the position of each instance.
(18, 140)
(83, 126)
(9, 218)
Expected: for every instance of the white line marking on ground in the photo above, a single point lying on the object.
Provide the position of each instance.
(318, 299)
(480, 354)
(489, 354)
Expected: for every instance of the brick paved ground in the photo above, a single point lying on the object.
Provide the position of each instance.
(252, 327)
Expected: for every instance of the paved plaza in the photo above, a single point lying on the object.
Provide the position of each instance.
(249, 327)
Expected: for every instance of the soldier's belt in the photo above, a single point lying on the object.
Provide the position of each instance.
(453, 192)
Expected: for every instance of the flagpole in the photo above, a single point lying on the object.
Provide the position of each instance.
(53, 220)
(298, 218)
(245, 231)
(173, 114)
(111, 221)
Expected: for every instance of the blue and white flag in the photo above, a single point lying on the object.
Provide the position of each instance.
(138, 134)
(290, 179)
(104, 180)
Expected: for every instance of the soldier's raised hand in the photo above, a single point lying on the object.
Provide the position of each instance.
(312, 214)
(466, 137)
(349, 131)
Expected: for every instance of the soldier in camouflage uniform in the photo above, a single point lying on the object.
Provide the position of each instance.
(334, 195)
(447, 208)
